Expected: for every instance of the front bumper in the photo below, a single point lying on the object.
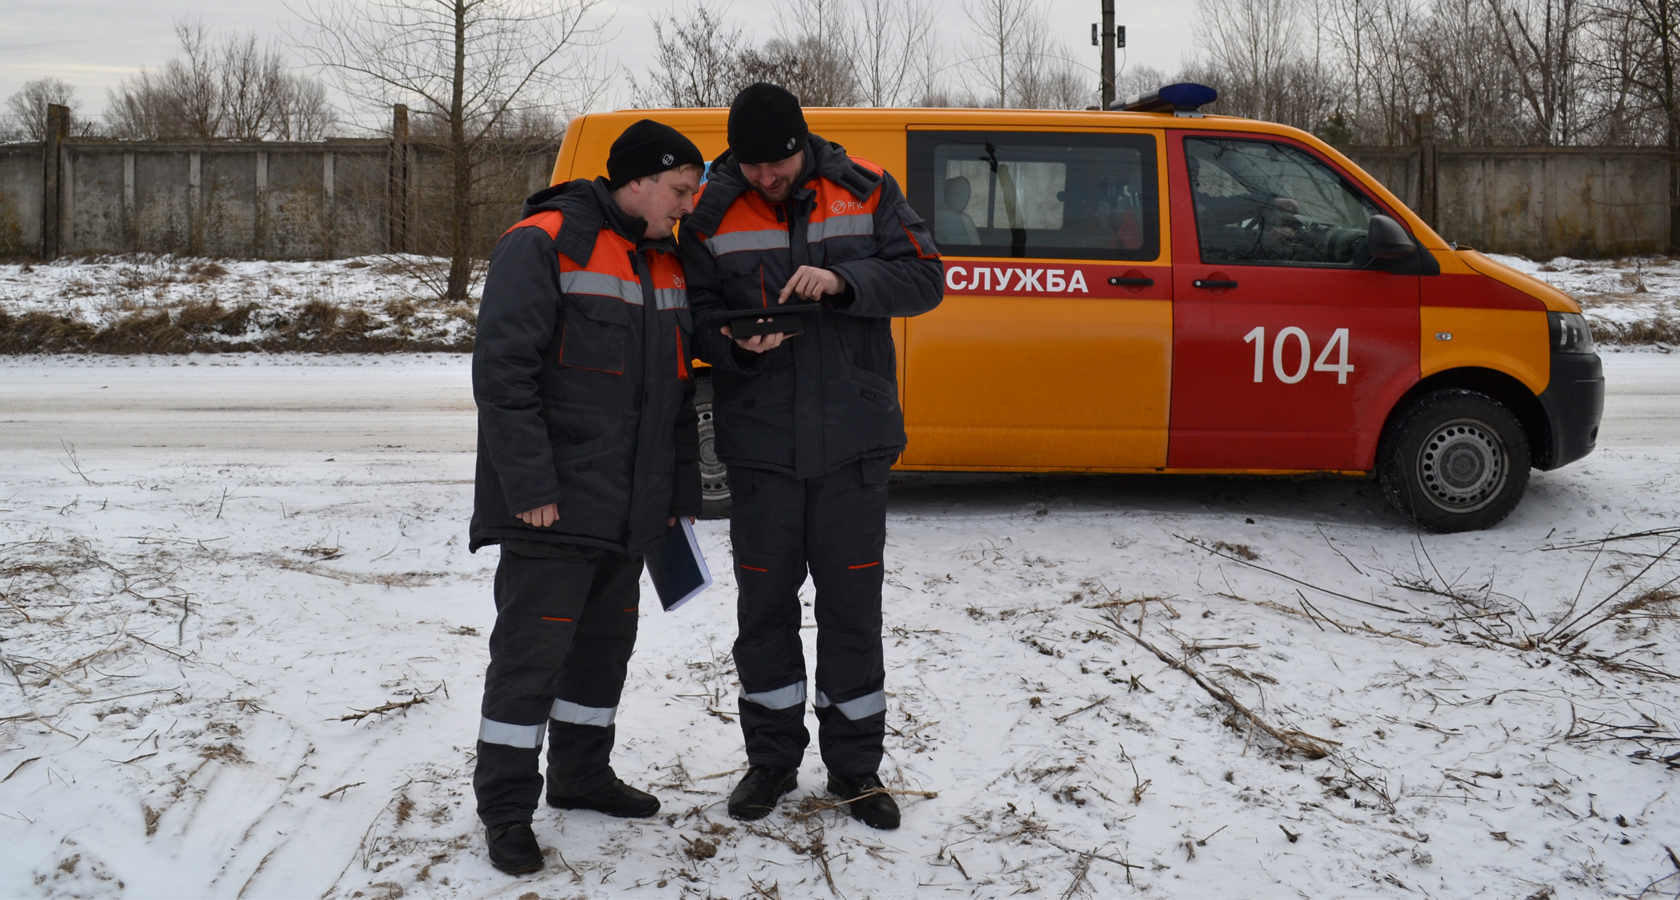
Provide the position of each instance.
(1574, 402)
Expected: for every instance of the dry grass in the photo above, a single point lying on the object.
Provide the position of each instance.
(318, 326)
(1649, 332)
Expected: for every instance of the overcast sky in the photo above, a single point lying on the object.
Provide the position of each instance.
(92, 44)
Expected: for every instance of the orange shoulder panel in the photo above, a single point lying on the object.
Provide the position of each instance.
(548, 220)
(868, 165)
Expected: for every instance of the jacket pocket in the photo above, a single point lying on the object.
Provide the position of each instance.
(575, 430)
(746, 290)
(874, 389)
(850, 248)
(594, 332)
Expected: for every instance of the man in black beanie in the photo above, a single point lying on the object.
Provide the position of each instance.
(586, 455)
(809, 425)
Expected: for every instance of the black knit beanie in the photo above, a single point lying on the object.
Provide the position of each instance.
(648, 148)
(766, 124)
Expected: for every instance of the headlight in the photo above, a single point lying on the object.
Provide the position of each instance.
(1570, 333)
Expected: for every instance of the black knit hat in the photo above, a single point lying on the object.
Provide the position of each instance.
(766, 124)
(648, 148)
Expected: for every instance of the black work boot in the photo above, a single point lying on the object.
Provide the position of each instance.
(513, 848)
(615, 798)
(758, 792)
(867, 799)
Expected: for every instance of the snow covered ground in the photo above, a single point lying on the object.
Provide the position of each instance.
(1628, 301)
(141, 303)
(151, 303)
(243, 642)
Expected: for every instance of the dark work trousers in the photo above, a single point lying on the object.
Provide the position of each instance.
(565, 626)
(834, 527)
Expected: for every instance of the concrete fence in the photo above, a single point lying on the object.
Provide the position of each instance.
(342, 198)
(1537, 201)
(264, 200)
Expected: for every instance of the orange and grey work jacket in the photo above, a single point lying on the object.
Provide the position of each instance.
(828, 396)
(581, 373)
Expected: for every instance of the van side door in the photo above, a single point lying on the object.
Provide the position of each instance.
(1053, 346)
(1290, 343)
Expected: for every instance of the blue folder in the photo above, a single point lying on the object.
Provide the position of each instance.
(677, 568)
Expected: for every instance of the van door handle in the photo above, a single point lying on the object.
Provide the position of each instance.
(1132, 282)
(1214, 285)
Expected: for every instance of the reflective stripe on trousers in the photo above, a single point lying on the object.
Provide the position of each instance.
(780, 698)
(525, 737)
(567, 711)
(857, 707)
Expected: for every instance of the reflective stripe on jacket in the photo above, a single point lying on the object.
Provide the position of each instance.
(580, 371)
(828, 396)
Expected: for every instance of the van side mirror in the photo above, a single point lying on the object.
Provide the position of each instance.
(1387, 240)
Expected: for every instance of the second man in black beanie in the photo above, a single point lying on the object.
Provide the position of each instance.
(766, 124)
(809, 426)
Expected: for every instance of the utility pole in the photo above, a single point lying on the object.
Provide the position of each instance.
(52, 172)
(1107, 53)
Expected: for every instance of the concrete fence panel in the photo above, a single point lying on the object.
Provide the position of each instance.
(347, 197)
(20, 200)
(227, 206)
(359, 220)
(294, 211)
(1536, 201)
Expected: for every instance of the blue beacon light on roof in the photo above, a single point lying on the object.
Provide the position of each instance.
(1183, 98)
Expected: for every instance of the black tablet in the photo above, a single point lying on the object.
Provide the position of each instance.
(744, 323)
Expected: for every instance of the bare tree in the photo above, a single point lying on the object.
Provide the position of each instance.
(180, 100)
(1537, 37)
(1652, 28)
(1017, 61)
(1621, 112)
(1250, 43)
(1469, 92)
(29, 106)
(698, 63)
(816, 77)
(996, 23)
(304, 113)
(1138, 80)
(809, 52)
(1268, 58)
(893, 53)
(1045, 78)
(252, 89)
(465, 66)
(234, 88)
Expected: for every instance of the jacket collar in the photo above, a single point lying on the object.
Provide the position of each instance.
(823, 158)
(587, 207)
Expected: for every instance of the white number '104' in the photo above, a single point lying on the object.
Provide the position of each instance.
(1286, 341)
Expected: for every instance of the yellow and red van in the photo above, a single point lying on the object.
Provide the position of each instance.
(1166, 291)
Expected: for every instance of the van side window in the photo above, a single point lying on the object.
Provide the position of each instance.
(1266, 203)
(1037, 194)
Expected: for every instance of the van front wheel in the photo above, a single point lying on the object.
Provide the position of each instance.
(714, 475)
(1454, 461)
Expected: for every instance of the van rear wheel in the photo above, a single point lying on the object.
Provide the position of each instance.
(1454, 461)
(714, 475)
